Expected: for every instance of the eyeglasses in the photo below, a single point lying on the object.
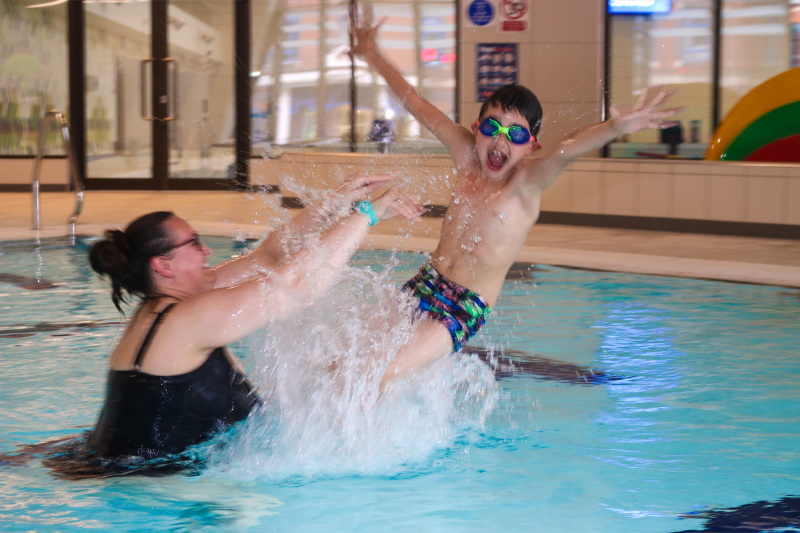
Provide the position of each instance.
(516, 134)
(194, 241)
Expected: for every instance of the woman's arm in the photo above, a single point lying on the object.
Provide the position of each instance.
(290, 237)
(221, 316)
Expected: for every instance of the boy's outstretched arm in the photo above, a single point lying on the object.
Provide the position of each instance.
(456, 138)
(645, 114)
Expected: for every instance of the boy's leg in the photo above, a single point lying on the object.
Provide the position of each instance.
(431, 341)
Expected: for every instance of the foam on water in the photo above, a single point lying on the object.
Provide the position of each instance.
(319, 373)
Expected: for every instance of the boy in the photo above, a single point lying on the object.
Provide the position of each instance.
(496, 199)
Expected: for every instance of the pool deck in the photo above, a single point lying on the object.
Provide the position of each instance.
(741, 259)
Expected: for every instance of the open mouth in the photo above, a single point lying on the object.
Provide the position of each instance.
(496, 159)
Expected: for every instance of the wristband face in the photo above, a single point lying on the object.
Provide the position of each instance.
(365, 208)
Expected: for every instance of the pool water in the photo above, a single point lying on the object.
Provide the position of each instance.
(693, 407)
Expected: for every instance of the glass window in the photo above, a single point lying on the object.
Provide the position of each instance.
(303, 82)
(118, 139)
(758, 39)
(33, 70)
(675, 50)
(756, 45)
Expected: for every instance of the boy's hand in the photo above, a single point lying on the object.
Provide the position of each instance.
(644, 114)
(363, 32)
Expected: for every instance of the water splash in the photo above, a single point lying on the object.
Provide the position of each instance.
(319, 373)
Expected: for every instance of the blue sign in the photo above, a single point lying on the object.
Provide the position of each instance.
(480, 12)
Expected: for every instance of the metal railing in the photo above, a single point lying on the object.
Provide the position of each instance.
(76, 181)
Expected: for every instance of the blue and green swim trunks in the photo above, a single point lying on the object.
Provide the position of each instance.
(461, 310)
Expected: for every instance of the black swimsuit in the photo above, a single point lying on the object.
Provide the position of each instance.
(153, 416)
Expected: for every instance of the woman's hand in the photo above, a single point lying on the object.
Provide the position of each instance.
(393, 203)
(359, 186)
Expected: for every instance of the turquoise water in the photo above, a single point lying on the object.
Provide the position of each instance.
(702, 413)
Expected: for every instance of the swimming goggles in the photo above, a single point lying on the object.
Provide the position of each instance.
(516, 134)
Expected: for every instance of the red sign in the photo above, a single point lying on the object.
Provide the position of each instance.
(514, 15)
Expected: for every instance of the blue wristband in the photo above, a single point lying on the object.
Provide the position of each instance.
(365, 208)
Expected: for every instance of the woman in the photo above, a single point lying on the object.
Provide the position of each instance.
(172, 384)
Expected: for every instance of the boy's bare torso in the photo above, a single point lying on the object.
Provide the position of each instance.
(484, 229)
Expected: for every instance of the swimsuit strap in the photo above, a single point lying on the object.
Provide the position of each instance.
(137, 364)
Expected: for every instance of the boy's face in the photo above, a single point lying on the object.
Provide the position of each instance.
(498, 154)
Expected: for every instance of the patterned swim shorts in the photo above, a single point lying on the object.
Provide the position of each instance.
(461, 310)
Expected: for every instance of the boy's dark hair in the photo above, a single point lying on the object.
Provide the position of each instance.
(519, 98)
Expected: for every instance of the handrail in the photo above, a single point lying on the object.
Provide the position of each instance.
(76, 182)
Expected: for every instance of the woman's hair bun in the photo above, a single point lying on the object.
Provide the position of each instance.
(119, 239)
(110, 256)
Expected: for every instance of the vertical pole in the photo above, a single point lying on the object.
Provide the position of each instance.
(159, 43)
(353, 94)
(605, 102)
(322, 83)
(243, 91)
(458, 50)
(716, 68)
(76, 31)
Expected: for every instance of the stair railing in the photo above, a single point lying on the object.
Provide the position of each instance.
(76, 181)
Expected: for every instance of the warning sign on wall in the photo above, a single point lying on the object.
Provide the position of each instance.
(514, 15)
(497, 66)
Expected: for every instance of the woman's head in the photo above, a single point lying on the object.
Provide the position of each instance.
(124, 256)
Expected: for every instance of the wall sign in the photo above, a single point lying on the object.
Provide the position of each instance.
(514, 15)
(480, 12)
(497, 66)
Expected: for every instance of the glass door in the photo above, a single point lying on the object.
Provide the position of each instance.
(200, 76)
(159, 93)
